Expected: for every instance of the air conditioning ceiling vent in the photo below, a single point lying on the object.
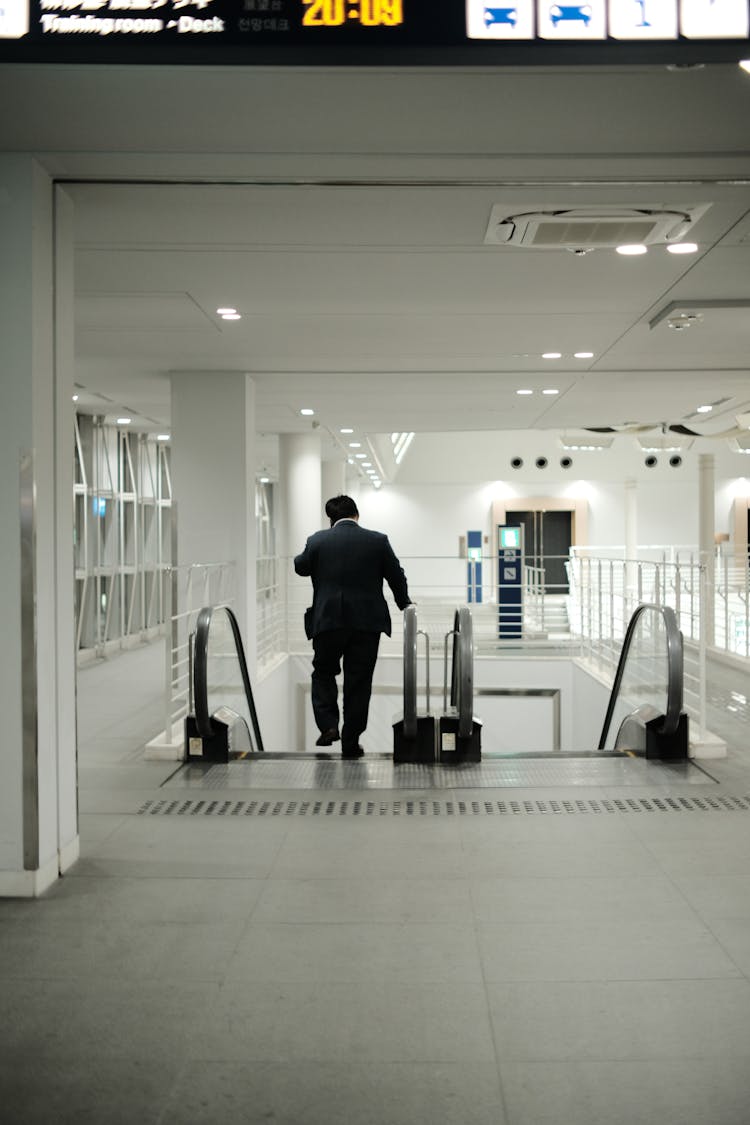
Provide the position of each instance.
(591, 227)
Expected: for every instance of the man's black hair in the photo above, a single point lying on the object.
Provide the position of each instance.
(341, 508)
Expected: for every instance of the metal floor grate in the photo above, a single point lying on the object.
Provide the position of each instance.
(375, 773)
(440, 807)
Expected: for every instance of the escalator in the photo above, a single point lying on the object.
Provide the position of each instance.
(645, 714)
(644, 718)
(223, 723)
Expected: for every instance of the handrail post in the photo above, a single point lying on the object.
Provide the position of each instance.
(702, 646)
(422, 633)
(452, 633)
(726, 604)
(168, 643)
(581, 607)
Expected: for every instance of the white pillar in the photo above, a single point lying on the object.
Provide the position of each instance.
(213, 480)
(38, 815)
(706, 532)
(300, 487)
(333, 479)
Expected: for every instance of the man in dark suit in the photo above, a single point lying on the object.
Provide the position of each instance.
(347, 564)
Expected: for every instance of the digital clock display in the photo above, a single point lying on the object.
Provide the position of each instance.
(366, 13)
(374, 32)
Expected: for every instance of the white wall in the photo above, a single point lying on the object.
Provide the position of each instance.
(273, 693)
(447, 482)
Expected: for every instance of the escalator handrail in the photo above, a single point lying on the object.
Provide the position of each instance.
(674, 669)
(410, 672)
(200, 673)
(462, 679)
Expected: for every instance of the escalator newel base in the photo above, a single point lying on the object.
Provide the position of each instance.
(420, 749)
(213, 749)
(667, 747)
(454, 749)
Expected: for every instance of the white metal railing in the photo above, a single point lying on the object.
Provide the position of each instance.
(586, 615)
(271, 613)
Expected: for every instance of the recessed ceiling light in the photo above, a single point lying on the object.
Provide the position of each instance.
(355, 444)
(583, 355)
(265, 480)
(346, 431)
(525, 391)
(124, 421)
(307, 411)
(163, 437)
(367, 464)
(231, 316)
(682, 247)
(551, 391)
(551, 355)
(632, 249)
(228, 311)
(360, 455)
(75, 398)
(704, 409)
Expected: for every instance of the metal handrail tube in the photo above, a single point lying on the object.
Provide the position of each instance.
(410, 672)
(462, 670)
(200, 672)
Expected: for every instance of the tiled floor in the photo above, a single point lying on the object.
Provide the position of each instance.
(586, 968)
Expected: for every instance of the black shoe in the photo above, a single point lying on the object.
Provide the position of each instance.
(357, 752)
(327, 737)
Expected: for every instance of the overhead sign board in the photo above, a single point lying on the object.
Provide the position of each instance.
(374, 32)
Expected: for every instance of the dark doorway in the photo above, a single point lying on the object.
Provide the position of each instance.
(547, 538)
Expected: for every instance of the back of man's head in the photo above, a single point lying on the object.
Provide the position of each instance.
(341, 508)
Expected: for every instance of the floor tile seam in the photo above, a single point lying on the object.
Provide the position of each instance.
(369, 923)
(134, 979)
(345, 1058)
(584, 1058)
(682, 895)
(170, 1096)
(618, 983)
(722, 945)
(610, 979)
(504, 1100)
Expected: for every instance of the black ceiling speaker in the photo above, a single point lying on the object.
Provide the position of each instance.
(651, 461)
(541, 462)
(516, 462)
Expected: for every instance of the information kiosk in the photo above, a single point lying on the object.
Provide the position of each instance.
(509, 581)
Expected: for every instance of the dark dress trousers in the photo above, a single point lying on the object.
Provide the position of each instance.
(348, 564)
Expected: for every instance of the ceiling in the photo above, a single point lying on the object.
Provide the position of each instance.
(343, 214)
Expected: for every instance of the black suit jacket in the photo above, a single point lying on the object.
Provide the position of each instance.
(347, 564)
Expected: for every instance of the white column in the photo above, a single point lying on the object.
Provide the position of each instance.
(631, 544)
(333, 479)
(213, 480)
(706, 532)
(300, 488)
(38, 816)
